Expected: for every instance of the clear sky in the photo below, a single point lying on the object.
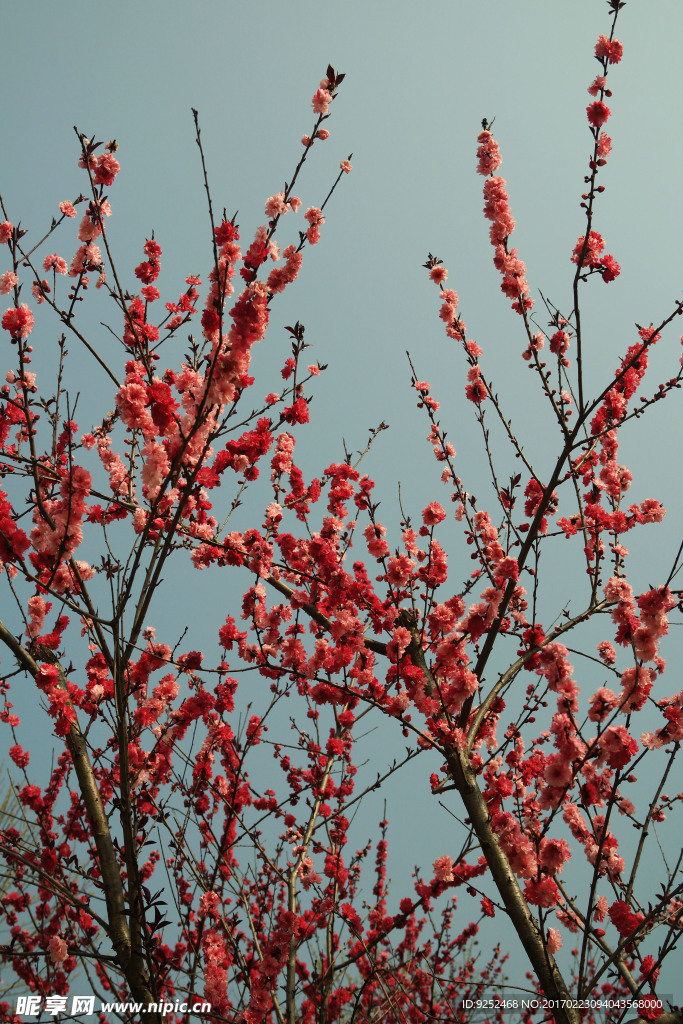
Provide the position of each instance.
(420, 78)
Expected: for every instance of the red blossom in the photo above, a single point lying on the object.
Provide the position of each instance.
(598, 113)
(624, 919)
(106, 169)
(488, 907)
(610, 49)
(18, 321)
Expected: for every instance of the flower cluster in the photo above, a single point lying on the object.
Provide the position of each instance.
(588, 253)
(497, 210)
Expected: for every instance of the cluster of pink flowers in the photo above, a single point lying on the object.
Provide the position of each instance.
(13, 540)
(623, 918)
(277, 205)
(497, 210)
(263, 978)
(322, 99)
(19, 321)
(609, 50)
(7, 282)
(488, 154)
(63, 698)
(103, 168)
(443, 869)
(315, 218)
(455, 328)
(63, 535)
(148, 271)
(55, 262)
(598, 113)
(280, 277)
(588, 253)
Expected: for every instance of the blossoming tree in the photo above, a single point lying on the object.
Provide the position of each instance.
(152, 863)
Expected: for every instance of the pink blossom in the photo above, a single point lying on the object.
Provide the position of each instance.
(513, 271)
(399, 570)
(132, 401)
(541, 892)
(476, 389)
(617, 746)
(488, 907)
(598, 113)
(210, 903)
(611, 268)
(346, 166)
(618, 589)
(20, 756)
(433, 514)
(651, 511)
(507, 568)
(315, 218)
(515, 844)
(488, 154)
(374, 535)
(106, 169)
(438, 274)
(7, 282)
(280, 277)
(313, 215)
(600, 908)
(307, 874)
(497, 209)
(636, 683)
(67, 208)
(554, 940)
(593, 249)
(321, 101)
(623, 918)
(601, 703)
(276, 205)
(6, 230)
(39, 289)
(597, 85)
(155, 468)
(612, 49)
(88, 229)
(604, 145)
(37, 610)
(59, 264)
(18, 321)
(553, 854)
(557, 772)
(58, 949)
(559, 343)
(443, 868)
